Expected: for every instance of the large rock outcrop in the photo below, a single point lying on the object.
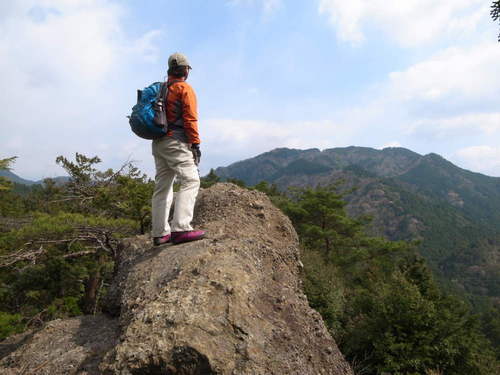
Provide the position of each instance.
(229, 304)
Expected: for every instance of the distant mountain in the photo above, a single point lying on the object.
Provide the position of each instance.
(15, 178)
(455, 213)
(19, 180)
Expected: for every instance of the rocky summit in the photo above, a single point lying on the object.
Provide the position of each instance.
(231, 303)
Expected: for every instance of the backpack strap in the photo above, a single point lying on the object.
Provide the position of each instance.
(164, 93)
(160, 106)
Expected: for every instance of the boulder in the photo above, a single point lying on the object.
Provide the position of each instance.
(69, 346)
(231, 303)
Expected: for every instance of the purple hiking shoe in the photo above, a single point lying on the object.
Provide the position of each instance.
(157, 241)
(187, 236)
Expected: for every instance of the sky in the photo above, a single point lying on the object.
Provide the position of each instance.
(419, 74)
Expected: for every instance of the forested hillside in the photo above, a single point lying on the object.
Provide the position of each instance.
(454, 213)
(379, 297)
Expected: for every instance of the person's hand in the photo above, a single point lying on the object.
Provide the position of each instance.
(195, 149)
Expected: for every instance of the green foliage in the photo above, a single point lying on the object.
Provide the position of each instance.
(270, 189)
(236, 181)
(131, 197)
(48, 262)
(10, 203)
(122, 193)
(23, 190)
(210, 179)
(454, 243)
(325, 289)
(491, 327)
(403, 331)
(63, 225)
(5, 165)
(320, 218)
(277, 197)
(58, 249)
(40, 288)
(379, 298)
(10, 324)
(302, 167)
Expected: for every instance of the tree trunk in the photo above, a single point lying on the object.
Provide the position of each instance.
(91, 291)
(92, 287)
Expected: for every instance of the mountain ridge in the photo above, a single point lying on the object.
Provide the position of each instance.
(455, 213)
(15, 178)
(19, 180)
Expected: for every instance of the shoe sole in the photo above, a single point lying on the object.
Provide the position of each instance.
(162, 243)
(183, 241)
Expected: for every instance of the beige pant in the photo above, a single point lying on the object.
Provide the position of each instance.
(173, 159)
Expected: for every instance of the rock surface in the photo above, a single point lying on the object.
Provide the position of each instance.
(229, 304)
(71, 346)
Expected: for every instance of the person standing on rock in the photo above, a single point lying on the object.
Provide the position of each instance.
(177, 155)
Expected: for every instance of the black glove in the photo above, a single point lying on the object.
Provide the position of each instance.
(195, 149)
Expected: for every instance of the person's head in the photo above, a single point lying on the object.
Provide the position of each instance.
(178, 65)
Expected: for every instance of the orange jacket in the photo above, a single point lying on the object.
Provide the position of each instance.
(182, 114)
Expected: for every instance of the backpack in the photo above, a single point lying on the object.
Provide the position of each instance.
(148, 119)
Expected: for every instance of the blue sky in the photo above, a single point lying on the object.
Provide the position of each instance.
(268, 73)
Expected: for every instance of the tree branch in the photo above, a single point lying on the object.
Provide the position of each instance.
(92, 239)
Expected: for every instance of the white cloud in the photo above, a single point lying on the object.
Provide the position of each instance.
(464, 125)
(80, 41)
(63, 42)
(451, 95)
(390, 144)
(444, 103)
(409, 22)
(61, 66)
(264, 135)
(484, 158)
(469, 73)
(229, 140)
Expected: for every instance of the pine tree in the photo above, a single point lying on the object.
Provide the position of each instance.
(320, 218)
(210, 179)
(59, 261)
(379, 298)
(5, 164)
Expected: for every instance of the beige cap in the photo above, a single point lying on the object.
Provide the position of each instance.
(178, 59)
